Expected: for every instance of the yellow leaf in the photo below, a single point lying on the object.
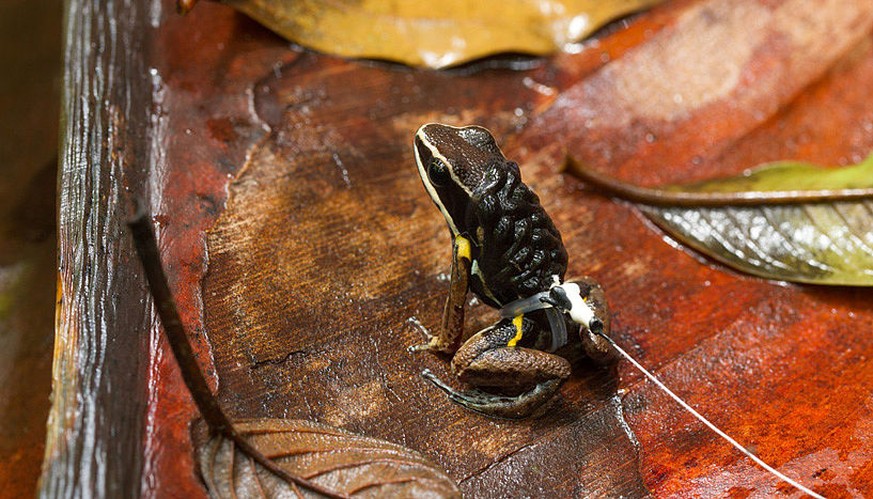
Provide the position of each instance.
(435, 34)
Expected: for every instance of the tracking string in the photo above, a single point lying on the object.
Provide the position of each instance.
(705, 421)
(583, 314)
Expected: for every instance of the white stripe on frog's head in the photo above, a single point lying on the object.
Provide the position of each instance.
(453, 163)
(420, 142)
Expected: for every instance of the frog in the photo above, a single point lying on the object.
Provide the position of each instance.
(507, 252)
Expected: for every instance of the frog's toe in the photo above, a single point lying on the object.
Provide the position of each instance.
(421, 347)
(598, 349)
(434, 345)
(430, 376)
(421, 327)
(495, 405)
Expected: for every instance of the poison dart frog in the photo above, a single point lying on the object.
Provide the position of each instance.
(508, 252)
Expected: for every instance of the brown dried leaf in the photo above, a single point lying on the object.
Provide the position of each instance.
(434, 34)
(350, 464)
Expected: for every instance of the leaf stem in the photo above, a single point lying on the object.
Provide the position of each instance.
(147, 248)
(656, 196)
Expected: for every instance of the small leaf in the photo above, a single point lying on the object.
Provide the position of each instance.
(434, 34)
(344, 462)
(781, 182)
(801, 223)
(812, 243)
(788, 181)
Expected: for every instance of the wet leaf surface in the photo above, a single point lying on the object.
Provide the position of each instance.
(293, 455)
(338, 460)
(673, 109)
(305, 317)
(324, 252)
(435, 34)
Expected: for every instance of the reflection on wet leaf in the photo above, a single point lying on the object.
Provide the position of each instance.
(433, 34)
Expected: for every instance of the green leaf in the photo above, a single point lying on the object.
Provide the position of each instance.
(803, 181)
(788, 221)
(433, 34)
(813, 243)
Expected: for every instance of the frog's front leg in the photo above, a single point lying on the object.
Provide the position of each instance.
(448, 338)
(490, 359)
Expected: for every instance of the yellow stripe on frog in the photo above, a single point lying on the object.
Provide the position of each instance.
(516, 321)
(463, 245)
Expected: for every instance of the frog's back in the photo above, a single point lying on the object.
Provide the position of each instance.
(520, 247)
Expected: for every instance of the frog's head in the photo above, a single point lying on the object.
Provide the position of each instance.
(452, 163)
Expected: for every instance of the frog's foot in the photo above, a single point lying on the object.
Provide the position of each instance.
(435, 343)
(597, 348)
(501, 406)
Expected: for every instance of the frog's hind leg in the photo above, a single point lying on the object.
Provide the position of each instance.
(501, 406)
(490, 359)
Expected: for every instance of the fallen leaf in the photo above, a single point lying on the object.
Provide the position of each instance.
(347, 463)
(812, 243)
(433, 34)
(780, 182)
(789, 182)
(789, 221)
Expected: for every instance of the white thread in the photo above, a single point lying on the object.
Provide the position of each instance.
(711, 426)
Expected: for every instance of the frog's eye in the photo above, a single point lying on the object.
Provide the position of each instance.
(437, 172)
